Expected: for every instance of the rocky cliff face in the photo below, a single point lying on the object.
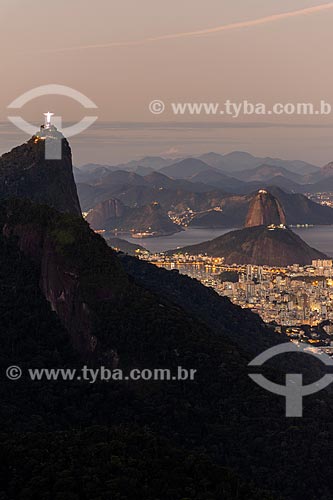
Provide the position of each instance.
(25, 173)
(105, 211)
(51, 240)
(114, 215)
(264, 210)
(60, 286)
(139, 320)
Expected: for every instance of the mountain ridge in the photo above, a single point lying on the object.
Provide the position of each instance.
(67, 297)
(113, 215)
(257, 245)
(25, 173)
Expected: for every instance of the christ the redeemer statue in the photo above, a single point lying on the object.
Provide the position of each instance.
(48, 117)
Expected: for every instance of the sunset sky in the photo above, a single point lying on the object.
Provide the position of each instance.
(122, 55)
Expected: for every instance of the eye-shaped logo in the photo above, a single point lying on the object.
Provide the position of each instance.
(48, 131)
(294, 390)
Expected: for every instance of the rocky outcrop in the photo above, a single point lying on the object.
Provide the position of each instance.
(100, 216)
(113, 215)
(59, 284)
(265, 209)
(49, 239)
(25, 173)
(258, 245)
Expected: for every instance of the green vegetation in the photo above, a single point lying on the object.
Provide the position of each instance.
(218, 437)
(118, 463)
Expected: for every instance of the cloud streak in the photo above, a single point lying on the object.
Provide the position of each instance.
(207, 31)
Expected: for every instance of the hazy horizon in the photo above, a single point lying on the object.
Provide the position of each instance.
(261, 52)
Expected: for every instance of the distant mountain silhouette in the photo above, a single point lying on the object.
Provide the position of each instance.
(240, 161)
(180, 194)
(121, 178)
(114, 215)
(158, 180)
(264, 173)
(185, 169)
(151, 162)
(220, 180)
(278, 181)
(323, 185)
